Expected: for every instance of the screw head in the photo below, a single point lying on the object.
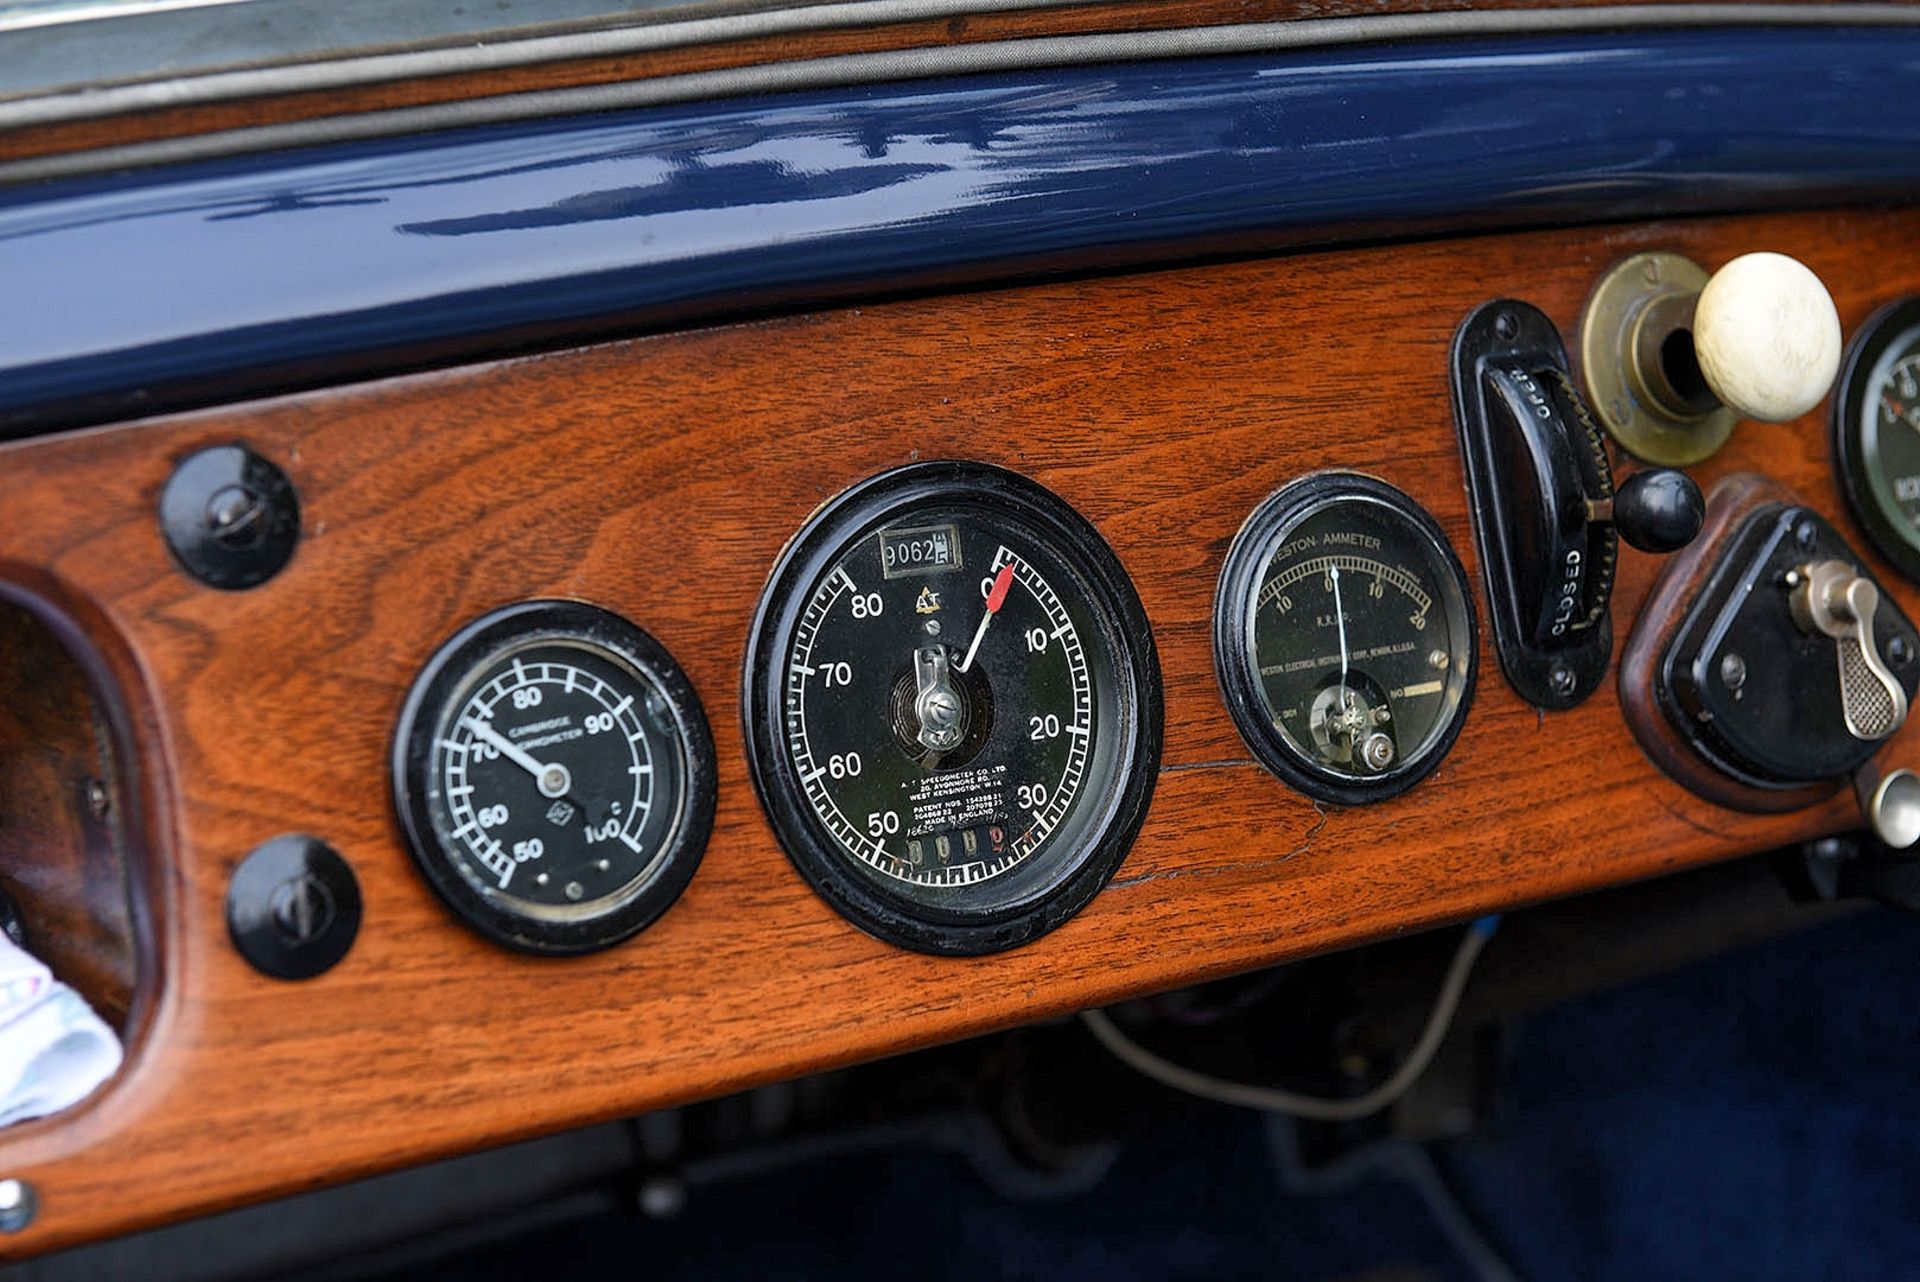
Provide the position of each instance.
(1561, 678)
(1805, 535)
(1733, 671)
(1505, 327)
(18, 1205)
(235, 515)
(1900, 652)
(1377, 751)
(303, 909)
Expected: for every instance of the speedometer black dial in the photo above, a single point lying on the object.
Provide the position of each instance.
(555, 776)
(1343, 638)
(953, 707)
(1876, 428)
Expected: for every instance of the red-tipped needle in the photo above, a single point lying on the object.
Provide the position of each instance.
(996, 597)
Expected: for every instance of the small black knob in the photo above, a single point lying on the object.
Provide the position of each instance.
(293, 907)
(1658, 510)
(230, 517)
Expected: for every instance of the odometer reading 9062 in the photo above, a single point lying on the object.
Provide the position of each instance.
(555, 775)
(953, 708)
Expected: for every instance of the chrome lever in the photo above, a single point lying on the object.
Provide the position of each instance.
(1832, 599)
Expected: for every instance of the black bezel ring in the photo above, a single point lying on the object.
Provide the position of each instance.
(1233, 666)
(530, 623)
(812, 553)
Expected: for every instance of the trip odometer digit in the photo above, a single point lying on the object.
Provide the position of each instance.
(555, 776)
(953, 708)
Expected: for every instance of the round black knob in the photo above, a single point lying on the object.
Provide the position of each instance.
(231, 517)
(1658, 510)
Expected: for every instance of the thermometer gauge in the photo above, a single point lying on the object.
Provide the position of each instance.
(1343, 638)
(555, 777)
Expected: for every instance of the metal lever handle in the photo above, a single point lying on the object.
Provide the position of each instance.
(1831, 598)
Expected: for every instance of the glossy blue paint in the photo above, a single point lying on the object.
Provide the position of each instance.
(173, 286)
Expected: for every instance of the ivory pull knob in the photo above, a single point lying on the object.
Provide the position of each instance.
(1767, 337)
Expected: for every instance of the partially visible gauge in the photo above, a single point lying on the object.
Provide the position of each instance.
(1876, 432)
(952, 707)
(1344, 638)
(555, 776)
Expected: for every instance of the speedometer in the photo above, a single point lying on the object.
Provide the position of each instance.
(953, 707)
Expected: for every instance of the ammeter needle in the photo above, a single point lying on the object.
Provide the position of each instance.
(1340, 619)
(996, 597)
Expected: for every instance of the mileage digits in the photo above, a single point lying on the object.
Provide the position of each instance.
(955, 760)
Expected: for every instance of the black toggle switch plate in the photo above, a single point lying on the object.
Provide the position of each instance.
(1535, 466)
(1745, 686)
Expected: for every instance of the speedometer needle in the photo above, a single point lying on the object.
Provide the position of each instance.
(996, 597)
(553, 779)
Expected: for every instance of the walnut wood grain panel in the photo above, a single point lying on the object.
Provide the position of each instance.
(660, 478)
(1082, 19)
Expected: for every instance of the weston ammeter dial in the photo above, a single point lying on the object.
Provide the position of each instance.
(555, 777)
(1876, 432)
(1343, 638)
(952, 707)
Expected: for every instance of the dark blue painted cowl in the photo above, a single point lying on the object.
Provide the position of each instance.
(175, 286)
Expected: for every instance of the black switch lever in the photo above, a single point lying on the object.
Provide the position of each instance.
(1547, 519)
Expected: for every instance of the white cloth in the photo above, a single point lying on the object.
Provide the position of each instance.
(54, 1051)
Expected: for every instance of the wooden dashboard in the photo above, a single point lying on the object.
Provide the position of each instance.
(660, 478)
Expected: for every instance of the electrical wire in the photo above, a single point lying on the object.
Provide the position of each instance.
(1312, 1107)
(1385, 1158)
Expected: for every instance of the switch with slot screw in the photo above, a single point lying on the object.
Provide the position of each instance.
(230, 517)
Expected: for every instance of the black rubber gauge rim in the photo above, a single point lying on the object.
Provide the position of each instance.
(471, 650)
(1080, 870)
(1234, 667)
(1892, 328)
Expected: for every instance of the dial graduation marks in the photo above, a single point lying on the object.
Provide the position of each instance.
(1876, 432)
(555, 776)
(953, 707)
(1344, 638)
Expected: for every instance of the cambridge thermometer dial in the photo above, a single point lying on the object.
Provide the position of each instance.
(953, 707)
(554, 774)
